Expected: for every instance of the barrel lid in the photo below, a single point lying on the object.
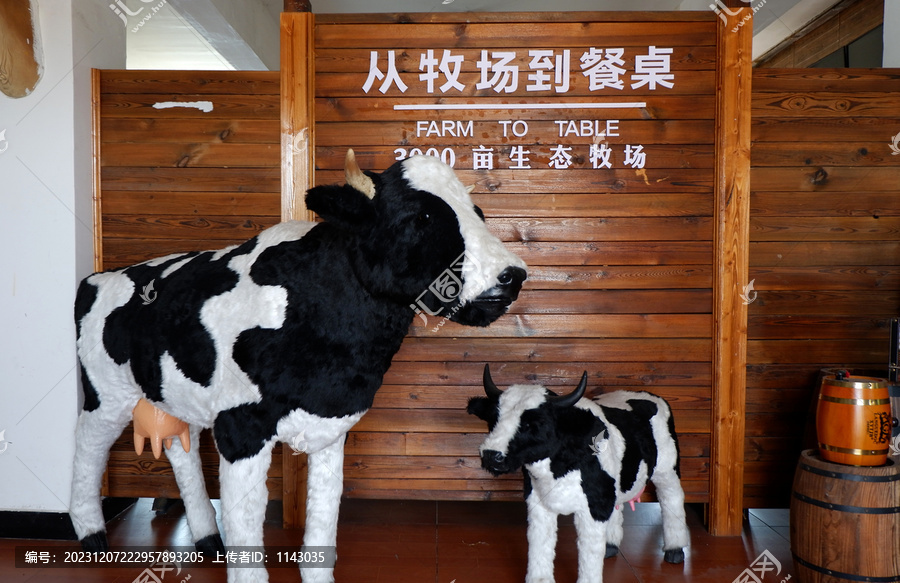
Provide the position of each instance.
(856, 382)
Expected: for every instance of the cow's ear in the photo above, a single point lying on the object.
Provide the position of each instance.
(343, 206)
(483, 408)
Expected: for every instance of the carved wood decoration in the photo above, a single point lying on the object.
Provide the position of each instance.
(20, 57)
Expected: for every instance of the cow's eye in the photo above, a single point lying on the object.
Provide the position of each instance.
(423, 218)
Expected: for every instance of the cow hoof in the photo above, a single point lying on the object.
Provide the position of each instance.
(210, 545)
(675, 556)
(611, 550)
(95, 543)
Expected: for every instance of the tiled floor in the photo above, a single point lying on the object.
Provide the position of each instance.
(446, 542)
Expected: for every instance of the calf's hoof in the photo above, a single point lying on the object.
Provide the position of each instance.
(675, 556)
(210, 545)
(95, 543)
(611, 550)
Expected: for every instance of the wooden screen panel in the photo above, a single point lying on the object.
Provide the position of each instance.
(620, 259)
(179, 179)
(823, 250)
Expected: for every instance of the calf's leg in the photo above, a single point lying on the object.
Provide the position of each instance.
(676, 536)
(592, 538)
(614, 532)
(244, 497)
(542, 527)
(325, 484)
(201, 516)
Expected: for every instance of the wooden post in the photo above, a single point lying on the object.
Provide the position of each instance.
(297, 175)
(95, 161)
(297, 110)
(730, 245)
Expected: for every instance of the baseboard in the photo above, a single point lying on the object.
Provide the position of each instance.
(52, 525)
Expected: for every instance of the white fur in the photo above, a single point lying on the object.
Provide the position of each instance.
(513, 402)
(188, 469)
(485, 255)
(244, 496)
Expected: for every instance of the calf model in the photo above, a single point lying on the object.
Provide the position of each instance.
(587, 458)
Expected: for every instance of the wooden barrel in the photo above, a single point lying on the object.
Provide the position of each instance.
(853, 420)
(845, 522)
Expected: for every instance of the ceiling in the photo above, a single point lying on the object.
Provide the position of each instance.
(243, 34)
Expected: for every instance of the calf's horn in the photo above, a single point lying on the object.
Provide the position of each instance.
(490, 389)
(571, 398)
(356, 177)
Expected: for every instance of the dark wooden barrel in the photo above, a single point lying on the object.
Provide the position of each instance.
(853, 420)
(845, 522)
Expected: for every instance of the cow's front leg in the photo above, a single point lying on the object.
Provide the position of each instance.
(542, 526)
(244, 497)
(325, 484)
(591, 547)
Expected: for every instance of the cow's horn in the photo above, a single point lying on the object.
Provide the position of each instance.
(573, 397)
(490, 389)
(356, 177)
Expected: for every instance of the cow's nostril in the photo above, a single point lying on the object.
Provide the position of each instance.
(511, 276)
(492, 457)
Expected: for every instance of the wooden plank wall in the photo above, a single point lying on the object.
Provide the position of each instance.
(620, 260)
(824, 250)
(182, 179)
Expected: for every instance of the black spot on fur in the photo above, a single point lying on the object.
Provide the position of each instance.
(91, 398)
(149, 325)
(639, 443)
(84, 300)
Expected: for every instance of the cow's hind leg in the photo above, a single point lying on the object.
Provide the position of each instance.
(244, 497)
(676, 536)
(95, 433)
(201, 515)
(325, 484)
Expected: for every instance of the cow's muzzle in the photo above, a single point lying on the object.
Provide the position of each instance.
(494, 462)
(493, 303)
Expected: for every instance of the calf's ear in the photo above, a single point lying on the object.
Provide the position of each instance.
(482, 408)
(343, 206)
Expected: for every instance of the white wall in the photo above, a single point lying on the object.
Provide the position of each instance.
(45, 202)
(891, 34)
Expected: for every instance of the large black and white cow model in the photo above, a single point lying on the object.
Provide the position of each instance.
(583, 457)
(285, 337)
